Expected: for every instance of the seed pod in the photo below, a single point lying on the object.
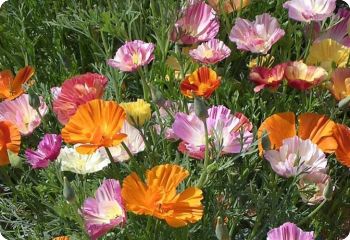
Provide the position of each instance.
(200, 108)
(34, 100)
(68, 191)
(221, 230)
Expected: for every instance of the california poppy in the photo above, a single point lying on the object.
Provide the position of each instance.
(201, 83)
(158, 196)
(318, 128)
(10, 139)
(95, 124)
(61, 238)
(342, 135)
(12, 87)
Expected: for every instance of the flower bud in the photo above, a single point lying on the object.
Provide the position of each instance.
(68, 191)
(265, 141)
(344, 103)
(157, 96)
(15, 160)
(200, 108)
(221, 230)
(34, 100)
(328, 190)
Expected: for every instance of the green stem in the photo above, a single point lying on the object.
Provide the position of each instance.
(312, 213)
(204, 174)
(41, 118)
(127, 150)
(109, 154)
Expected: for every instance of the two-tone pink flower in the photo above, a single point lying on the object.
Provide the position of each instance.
(256, 36)
(289, 231)
(210, 52)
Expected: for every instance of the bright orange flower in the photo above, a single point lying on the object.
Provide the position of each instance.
(95, 124)
(340, 87)
(10, 139)
(158, 196)
(318, 128)
(12, 87)
(201, 83)
(61, 238)
(342, 135)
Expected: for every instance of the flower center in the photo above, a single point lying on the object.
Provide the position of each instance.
(110, 210)
(135, 58)
(208, 53)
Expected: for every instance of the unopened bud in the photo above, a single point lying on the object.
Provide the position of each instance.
(221, 230)
(34, 100)
(200, 108)
(328, 190)
(344, 103)
(157, 96)
(15, 160)
(68, 191)
(265, 141)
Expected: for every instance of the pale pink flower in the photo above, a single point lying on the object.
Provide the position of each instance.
(77, 91)
(210, 52)
(289, 231)
(55, 92)
(104, 212)
(198, 23)
(133, 141)
(296, 156)
(257, 36)
(228, 133)
(132, 55)
(310, 10)
(338, 32)
(20, 113)
(312, 187)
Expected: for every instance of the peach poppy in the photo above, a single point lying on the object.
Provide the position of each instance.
(318, 128)
(342, 136)
(201, 83)
(340, 86)
(158, 197)
(229, 5)
(12, 87)
(95, 124)
(10, 139)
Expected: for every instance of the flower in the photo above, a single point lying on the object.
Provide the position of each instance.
(263, 60)
(137, 112)
(102, 122)
(20, 113)
(198, 23)
(12, 87)
(312, 187)
(104, 212)
(55, 92)
(328, 54)
(61, 238)
(229, 5)
(158, 197)
(257, 36)
(77, 91)
(73, 161)
(48, 150)
(289, 231)
(132, 55)
(10, 140)
(296, 156)
(201, 83)
(302, 77)
(228, 133)
(340, 87)
(339, 31)
(342, 136)
(310, 10)
(133, 141)
(211, 52)
(318, 128)
(267, 77)
(1, 3)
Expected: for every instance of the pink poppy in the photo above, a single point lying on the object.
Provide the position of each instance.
(21, 114)
(198, 23)
(76, 91)
(310, 10)
(257, 36)
(104, 212)
(289, 231)
(312, 187)
(229, 133)
(267, 77)
(132, 55)
(210, 52)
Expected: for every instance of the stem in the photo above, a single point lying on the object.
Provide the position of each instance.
(41, 118)
(145, 88)
(109, 154)
(312, 213)
(127, 150)
(204, 174)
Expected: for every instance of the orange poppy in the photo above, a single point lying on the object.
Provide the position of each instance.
(342, 135)
(95, 124)
(61, 238)
(158, 196)
(201, 83)
(12, 87)
(229, 5)
(318, 128)
(10, 140)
